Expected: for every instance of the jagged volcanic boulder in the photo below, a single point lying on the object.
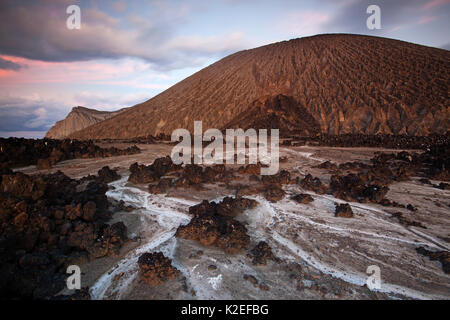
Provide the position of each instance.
(248, 190)
(142, 174)
(390, 141)
(274, 192)
(354, 166)
(222, 232)
(162, 186)
(228, 207)
(282, 177)
(232, 207)
(106, 175)
(313, 184)
(153, 172)
(303, 198)
(261, 253)
(192, 174)
(343, 210)
(195, 175)
(45, 153)
(327, 165)
(156, 269)
(23, 186)
(48, 222)
(352, 188)
(253, 169)
(213, 225)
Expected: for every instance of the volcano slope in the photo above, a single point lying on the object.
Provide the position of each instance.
(345, 83)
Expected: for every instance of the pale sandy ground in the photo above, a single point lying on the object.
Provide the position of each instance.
(322, 257)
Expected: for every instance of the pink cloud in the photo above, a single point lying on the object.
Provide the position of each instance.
(426, 19)
(97, 72)
(305, 23)
(435, 3)
(6, 73)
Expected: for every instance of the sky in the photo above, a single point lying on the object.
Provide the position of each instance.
(126, 52)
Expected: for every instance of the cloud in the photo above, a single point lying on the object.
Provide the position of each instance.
(38, 31)
(130, 72)
(30, 113)
(108, 101)
(9, 65)
(350, 15)
(427, 19)
(119, 6)
(305, 23)
(435, 3)
(446, 47)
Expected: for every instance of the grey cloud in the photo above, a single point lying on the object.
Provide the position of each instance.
(22, 114)
(351, 16)
(9, 65)
(37, 30)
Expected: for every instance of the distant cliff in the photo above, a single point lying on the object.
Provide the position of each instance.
(78, 119)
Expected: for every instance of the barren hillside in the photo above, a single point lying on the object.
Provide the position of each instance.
(337, 84)
(78, 119)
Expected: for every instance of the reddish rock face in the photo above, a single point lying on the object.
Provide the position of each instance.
(155, 268)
